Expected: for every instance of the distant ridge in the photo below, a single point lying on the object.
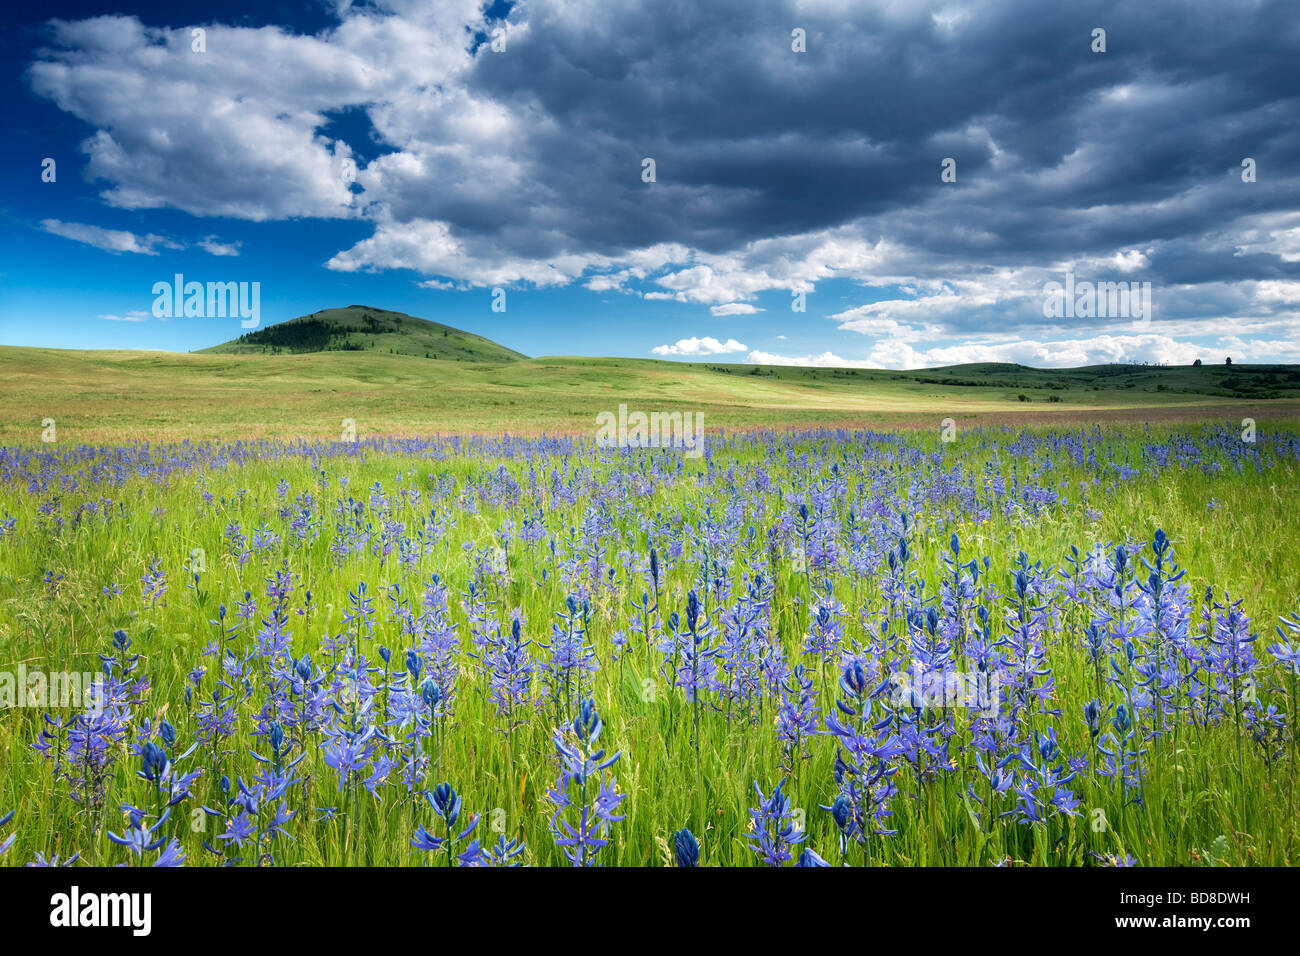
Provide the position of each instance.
(363, 328)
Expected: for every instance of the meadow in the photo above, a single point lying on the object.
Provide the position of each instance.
(1040, 646)
(108, 396)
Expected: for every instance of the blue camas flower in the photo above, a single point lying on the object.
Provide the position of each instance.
(446, 805)
(773, 831)
(8, 841)
(686, 849)
(582, 764)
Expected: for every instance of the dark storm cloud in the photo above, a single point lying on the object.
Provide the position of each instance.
(775, 169)
(768, 142)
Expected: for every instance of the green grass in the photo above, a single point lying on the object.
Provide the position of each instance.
(1204, 804)
(120, 395)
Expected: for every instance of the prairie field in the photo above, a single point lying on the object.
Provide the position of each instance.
(542, 434)
(1042, 645)
(107, 396)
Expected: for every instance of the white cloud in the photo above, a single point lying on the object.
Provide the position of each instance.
(110, 240)
(787, 263)
(706, 345)
(233, 131)
(1066, 353)
(215, 248)
(132, 316)
(244, 130)
(866, 320)
(1130, 260)
(736, 308)
(824, 360)
(430, 248)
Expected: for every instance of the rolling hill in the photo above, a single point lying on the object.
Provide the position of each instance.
(393, 373)
(362, 328)
(114, 396)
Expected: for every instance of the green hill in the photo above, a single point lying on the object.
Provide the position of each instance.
(1218, 381)
(362, 328)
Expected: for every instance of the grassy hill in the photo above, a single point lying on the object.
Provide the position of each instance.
(111, 396)
(361, 328)
(1224, 381)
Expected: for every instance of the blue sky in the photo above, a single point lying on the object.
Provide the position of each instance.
(391, 154)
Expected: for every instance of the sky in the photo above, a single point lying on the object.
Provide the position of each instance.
(899, 184)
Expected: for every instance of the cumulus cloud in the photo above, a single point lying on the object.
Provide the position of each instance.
(110, 240)
(1066, 353)
(213, 247)
(477, 168)
(824, 360)
(429, 247)
(234, 131)
(706, 345)
(736, 308)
